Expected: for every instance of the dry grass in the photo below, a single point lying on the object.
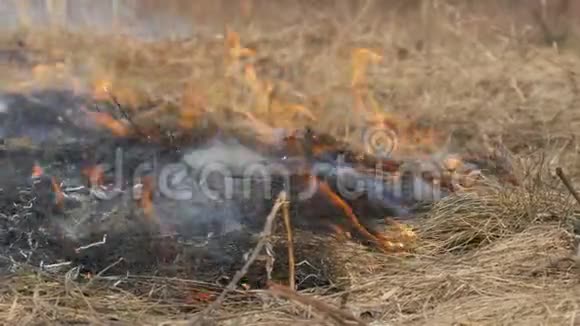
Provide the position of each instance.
(491, 211)
(495, 254)
(523, 271)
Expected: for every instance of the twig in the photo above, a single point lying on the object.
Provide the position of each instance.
(270, 259)
(94, 244)
(242, 272)
(54, 266)
(119, 107)
(567, 183)
(517, 89)
(126, 116)
(290, 245)
(340, 316)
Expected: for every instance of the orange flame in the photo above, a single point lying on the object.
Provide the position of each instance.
(199, 296)
(235, 51)
(233, 44)
(147, 197)
(252, 78)
(37, 171)
(379, 240)
(361, 58)
(191, 109)
(48, 73)
(262, 89)
(268, 103)
(411, 137)
(128, 95)
(59, 195)
(102, 89)
(404, 234)
(296, 108)
(95, 174)
(117, 127)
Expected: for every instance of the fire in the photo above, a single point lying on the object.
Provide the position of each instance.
(233, 44)
(102, 89)
(359, 101)
(146, 200)
(105, 87)
(452, 163)
(271, 105)
(58, 193)
(191, 109)
(262, 90)
(37, 171)
(199, 296)
(401, 233)
(95, 174)
(117, 127)
(291, 110)
(261, 130)
(410, 137)
(235, 51)
(361, 59)
(252, 78)
(48, 74)
(383, 242)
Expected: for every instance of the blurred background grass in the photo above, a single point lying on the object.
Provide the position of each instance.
(183, 17)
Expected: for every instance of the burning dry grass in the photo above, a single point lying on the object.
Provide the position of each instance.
(500, 265)
(495, 254)
(490, 255)
(258, 81)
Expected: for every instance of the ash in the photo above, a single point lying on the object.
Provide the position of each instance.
(192, 222)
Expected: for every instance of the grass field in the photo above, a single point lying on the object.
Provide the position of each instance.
(499, 80)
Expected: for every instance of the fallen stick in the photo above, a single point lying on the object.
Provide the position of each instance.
(242, 272)
(290, 245)
(567, 183)
(53, 266)
(339, 315)
(91, 245)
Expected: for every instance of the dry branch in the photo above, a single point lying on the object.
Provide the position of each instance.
(242, 272)
(340, 316)
(291, 259)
